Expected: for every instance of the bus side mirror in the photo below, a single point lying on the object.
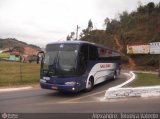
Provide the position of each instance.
(40, 56)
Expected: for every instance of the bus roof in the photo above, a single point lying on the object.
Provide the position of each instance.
(76, 42)
(80, 42)
(71, 42)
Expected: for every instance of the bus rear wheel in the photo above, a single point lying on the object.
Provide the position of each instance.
(115, 75)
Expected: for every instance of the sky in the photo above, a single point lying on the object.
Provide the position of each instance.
(43, 21)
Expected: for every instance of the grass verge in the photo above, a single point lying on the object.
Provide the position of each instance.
(10, 73)
(144, 79)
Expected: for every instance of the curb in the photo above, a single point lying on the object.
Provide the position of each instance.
(14, 89)
(119, 92)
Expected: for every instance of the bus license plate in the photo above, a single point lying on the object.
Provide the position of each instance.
(54, 87)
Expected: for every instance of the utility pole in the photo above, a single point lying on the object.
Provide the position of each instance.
(77, 32)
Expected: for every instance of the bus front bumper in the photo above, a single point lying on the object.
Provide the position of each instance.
(63, 88)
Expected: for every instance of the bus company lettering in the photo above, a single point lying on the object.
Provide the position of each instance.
(105, 65)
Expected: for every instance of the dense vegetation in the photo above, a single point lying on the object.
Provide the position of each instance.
(139, 26)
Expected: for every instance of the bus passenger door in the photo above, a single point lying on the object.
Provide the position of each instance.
(83, 59)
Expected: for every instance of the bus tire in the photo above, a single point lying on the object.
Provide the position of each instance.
(90, 84)
(115, 75)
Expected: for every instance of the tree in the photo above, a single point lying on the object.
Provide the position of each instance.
(85, 32)
(68, 38)
(111, 25)
(71, 36)
(108, 25)
(106, 22)
(150, 6)
(90, 25)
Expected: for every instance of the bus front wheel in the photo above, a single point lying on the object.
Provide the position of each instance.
(90, 84)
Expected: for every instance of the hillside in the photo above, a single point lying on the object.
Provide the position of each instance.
(12, 42)
(139, 26)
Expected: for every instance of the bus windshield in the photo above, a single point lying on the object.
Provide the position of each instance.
(60, 59)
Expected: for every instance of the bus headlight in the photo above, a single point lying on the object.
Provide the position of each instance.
(42, 81)
(70, 83)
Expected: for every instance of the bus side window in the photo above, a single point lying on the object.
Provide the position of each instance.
(93, 53)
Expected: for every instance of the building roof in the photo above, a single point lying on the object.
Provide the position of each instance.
(30, 51)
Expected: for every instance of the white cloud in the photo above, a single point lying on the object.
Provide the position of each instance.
(43, 21)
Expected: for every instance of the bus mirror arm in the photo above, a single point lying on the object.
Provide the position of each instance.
(40, 56)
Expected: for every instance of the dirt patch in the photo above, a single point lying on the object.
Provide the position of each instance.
(19, 86)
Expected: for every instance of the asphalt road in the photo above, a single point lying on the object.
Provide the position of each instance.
(49, 101)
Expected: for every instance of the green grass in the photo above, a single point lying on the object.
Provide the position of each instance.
(144, 79)
(10, 73)
(4, 55)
